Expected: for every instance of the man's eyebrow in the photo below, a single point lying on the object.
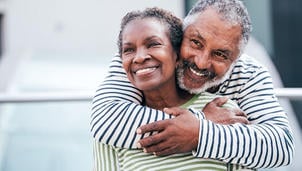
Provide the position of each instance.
(226, 51)
(199, 35)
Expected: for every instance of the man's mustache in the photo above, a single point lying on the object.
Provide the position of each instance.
(205, 72)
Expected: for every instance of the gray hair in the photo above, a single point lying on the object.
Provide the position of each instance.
(232, 11)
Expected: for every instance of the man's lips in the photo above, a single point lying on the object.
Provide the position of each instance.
(195, 76)
(196, 73)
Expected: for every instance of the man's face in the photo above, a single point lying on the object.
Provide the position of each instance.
(209, 48)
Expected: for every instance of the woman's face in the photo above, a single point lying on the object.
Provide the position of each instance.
(147, 54)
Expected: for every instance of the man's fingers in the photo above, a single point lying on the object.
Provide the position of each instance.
(151, 127)
(150, 143)
(239, 112)
(174, 111)
(165, 152)
(242, 120)
(219, 101)
(163, 148)
(155, 148)
(236, 119)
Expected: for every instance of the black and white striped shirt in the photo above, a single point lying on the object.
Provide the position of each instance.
(107, 157)
(266, 142)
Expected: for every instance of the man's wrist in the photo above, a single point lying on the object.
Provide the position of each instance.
(196, 148)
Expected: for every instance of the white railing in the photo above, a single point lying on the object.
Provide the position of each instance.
(46, 97)
(289, 93)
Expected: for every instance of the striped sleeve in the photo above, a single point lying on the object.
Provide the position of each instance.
(116, 113)
(266, 142)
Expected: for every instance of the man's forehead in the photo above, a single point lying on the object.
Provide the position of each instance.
(210, 14)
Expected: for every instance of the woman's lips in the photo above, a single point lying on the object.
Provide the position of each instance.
(147, 70)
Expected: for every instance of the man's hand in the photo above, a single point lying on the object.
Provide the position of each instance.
(177, 135)
(180, 134)
(215, 113)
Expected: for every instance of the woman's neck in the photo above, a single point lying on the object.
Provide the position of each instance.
(166, 97)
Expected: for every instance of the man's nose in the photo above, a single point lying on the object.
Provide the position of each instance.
(202, 61)
(141, 56)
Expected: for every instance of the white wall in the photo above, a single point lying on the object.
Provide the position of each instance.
(261, 16)
(70, 26)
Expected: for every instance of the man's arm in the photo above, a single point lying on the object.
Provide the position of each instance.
(116, 113)
(266, 142)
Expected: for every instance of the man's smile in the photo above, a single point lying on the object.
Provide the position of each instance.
(196, 72)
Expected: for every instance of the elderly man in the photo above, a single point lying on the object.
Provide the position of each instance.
(215, 34)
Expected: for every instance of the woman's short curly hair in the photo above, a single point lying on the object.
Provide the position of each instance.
(173, 24)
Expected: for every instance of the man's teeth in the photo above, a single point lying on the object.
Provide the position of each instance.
(196, 73)
(145, 70)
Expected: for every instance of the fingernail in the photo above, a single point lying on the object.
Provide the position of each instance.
(138, 145)
(138, 131)
(145, 150)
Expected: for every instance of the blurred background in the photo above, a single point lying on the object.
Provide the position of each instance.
(54, 53)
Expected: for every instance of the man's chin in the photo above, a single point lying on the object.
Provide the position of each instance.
(195, 88)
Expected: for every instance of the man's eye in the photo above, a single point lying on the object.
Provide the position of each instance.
(196, 43)
(221, 55)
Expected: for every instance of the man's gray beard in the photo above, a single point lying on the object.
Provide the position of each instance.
(206, 85)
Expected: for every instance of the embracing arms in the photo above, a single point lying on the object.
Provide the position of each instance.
(115, 118)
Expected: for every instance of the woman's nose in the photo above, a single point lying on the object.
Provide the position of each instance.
(141, 56)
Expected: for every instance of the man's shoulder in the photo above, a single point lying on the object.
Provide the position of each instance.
(248, 64)
(245, 68)
(248, 61)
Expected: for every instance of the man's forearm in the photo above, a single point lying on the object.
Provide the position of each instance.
(265, 142)
(253, 146)
(116, 113)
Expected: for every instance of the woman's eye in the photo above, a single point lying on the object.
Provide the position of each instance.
(153, 44)
(128, 50)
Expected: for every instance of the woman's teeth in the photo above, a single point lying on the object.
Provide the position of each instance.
(145, 70)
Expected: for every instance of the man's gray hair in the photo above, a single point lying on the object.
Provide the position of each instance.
(232, 11)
